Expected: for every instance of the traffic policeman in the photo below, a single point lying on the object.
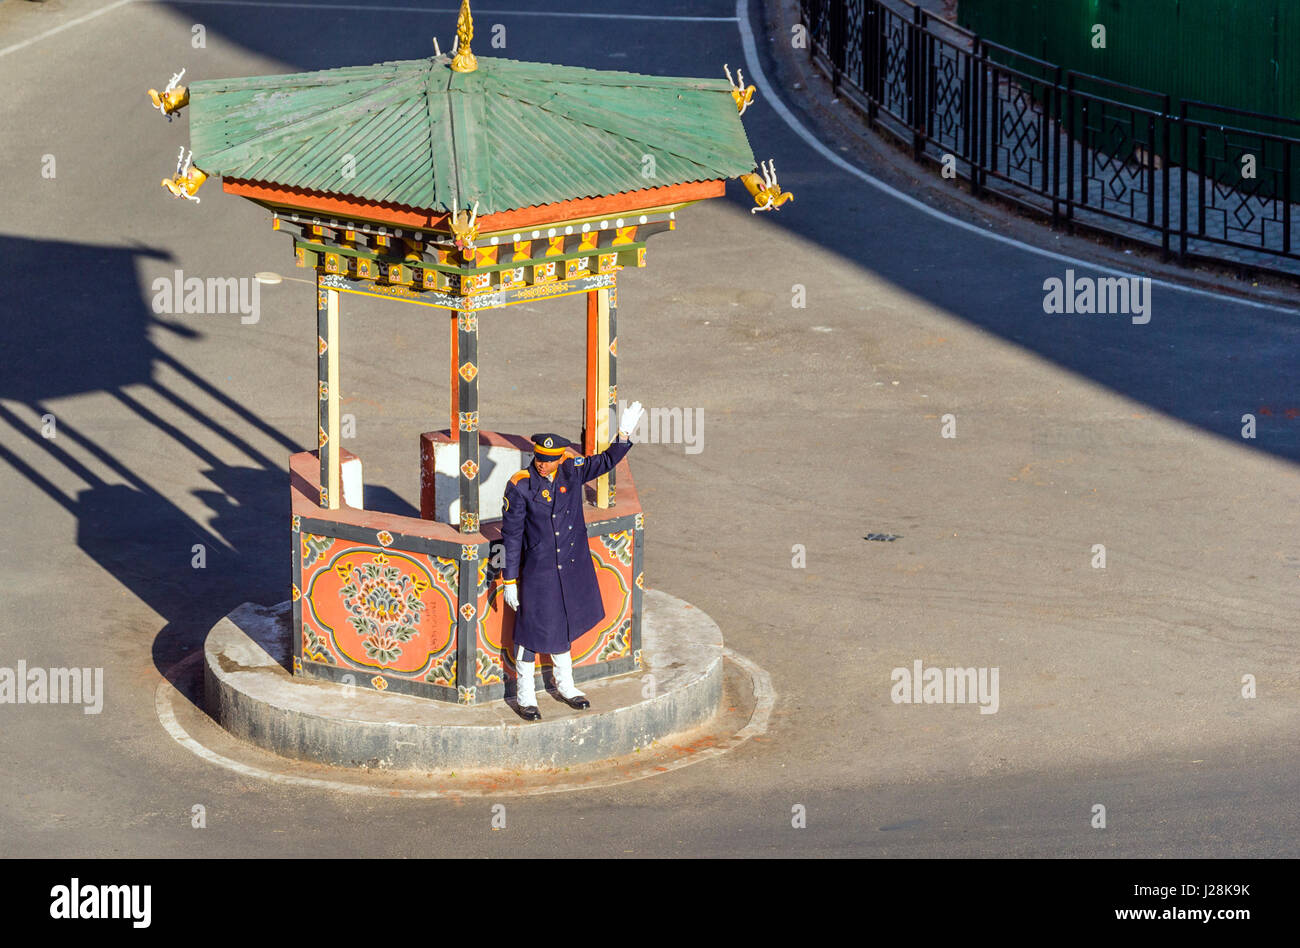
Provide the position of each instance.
(549, 578)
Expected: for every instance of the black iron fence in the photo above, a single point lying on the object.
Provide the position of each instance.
(1196, 180)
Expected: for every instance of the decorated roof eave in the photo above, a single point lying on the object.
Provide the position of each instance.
(421, 134)
(293, 200)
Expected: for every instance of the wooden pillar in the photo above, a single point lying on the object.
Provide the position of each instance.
(612, 349)
(465, 365)
(327, 394)
(454, 426)
(589, 400)
(600, 389)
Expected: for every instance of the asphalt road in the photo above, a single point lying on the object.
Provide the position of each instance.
(1119, 686)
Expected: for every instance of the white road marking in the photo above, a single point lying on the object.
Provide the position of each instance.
(478, 14)
(59, 29)
(760, 681)
(759, 78)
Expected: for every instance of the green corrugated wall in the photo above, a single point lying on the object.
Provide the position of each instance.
(1239, 53)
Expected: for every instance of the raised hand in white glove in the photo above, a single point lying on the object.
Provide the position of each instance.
(631, 418)
(512, 596)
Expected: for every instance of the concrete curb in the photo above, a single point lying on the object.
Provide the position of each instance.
(249, 692)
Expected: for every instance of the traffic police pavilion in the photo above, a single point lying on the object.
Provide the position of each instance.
(462, 185)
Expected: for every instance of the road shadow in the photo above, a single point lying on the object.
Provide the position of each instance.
(61, 340)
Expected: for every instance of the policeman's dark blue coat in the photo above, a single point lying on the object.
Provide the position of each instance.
(545, 537)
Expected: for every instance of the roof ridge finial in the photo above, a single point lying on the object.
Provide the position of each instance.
(464, 60)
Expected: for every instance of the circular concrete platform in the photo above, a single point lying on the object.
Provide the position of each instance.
(250, 692)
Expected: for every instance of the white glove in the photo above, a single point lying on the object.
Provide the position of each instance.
(512, 596)
(631, 418)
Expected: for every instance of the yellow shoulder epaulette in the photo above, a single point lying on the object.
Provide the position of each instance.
(517, 477)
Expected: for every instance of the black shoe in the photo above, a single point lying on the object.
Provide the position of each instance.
(528, 712)
(580, 703)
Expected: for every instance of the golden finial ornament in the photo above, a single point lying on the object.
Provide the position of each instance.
(464, 60)
(743, 94)
(767, 194)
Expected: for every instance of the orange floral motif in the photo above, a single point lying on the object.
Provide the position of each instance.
(379, 682)
(384, 606)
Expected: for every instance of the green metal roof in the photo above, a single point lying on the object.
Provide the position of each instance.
(507, 135)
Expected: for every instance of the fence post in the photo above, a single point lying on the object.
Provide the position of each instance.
(1286, 200)
(809, 11)
(1069, 155)
(931, 78)
(968, 97)
(1165, 167)
(1202, 189)
(871, 57)
(1152, 152)
(1055, 131)
(1045, 142)
(916, 87)
(980, 126)
(1182, 190)
(838, 45)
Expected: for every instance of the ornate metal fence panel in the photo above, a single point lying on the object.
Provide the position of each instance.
(896, 63)
(1017, 116)
(948, 94)
(1246, 189)
(1085, 150)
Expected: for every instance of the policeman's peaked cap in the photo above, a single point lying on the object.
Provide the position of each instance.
(550, 446)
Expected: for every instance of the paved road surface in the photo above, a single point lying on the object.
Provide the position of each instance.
(1119, 686)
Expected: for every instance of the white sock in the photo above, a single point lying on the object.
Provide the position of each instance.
(563, 662)
(526, 691)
